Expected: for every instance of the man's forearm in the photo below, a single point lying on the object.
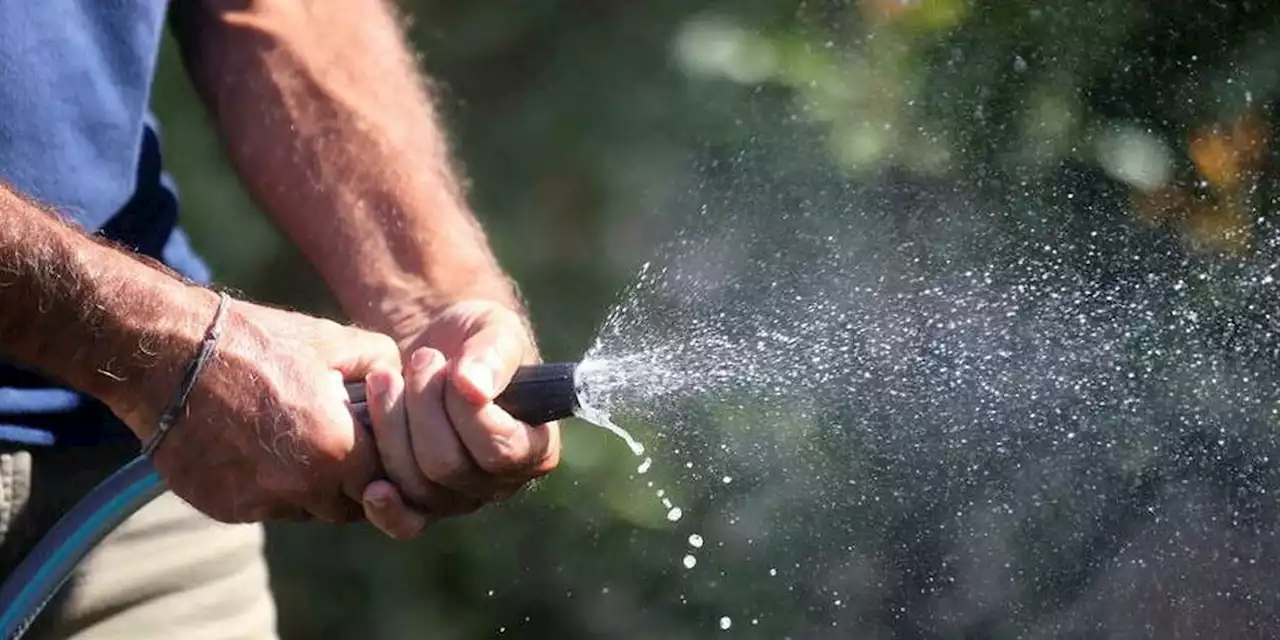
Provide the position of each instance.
(330, 126)
(89, 314)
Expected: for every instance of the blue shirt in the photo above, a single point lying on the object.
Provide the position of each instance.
(76, 134)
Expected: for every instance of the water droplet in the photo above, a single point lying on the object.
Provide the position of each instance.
(726, 479)
(674, 514)
(601, 419)
(725, 623)
(644, 466)
(695, 541)
(690, 562)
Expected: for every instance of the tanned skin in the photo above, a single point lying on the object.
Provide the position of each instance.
(267, 433)
(332, 130)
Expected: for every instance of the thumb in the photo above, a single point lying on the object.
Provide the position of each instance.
(355, 353)
(362, 465)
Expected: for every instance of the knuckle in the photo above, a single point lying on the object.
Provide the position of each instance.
(501, 454)
(324, 443)
(415, 489)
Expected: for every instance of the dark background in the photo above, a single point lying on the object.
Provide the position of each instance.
(592, 132)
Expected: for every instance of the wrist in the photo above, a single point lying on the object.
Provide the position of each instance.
(157, 339)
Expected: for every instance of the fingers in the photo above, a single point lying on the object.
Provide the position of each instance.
(506, 450)
(385, 509)
(443, 445)
(391, 431)
(437, 451)
(354, 354)
(487, 361)
(502, 446)
(361, 464)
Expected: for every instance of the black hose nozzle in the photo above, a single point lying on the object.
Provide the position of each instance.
(537, 394)
(541, 393)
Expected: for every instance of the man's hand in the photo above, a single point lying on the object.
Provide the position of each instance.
(444, 444)
(267, 433)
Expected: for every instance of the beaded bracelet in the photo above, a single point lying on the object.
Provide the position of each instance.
(179, 401)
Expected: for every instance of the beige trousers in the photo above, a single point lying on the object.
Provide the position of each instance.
(167, 572)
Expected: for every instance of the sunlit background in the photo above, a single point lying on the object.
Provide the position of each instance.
(587, 130)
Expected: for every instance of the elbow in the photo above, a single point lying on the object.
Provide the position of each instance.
(212, 17)
(214, 36)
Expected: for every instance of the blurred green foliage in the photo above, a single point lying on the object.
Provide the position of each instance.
(588, 129)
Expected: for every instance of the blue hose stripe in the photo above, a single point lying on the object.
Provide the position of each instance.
(51, 562)
(69, 553)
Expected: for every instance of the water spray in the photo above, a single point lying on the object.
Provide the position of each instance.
(537, 394)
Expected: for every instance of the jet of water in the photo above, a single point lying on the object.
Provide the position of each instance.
(886, 393)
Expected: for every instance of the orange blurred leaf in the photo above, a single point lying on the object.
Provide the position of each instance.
(1225, 154)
